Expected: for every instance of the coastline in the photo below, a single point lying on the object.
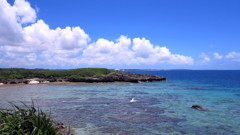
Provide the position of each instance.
(109, 78)
(63, 83)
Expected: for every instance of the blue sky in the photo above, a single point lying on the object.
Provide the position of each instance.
(205, 33)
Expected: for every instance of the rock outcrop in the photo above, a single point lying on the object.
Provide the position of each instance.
(111, 77)
(120, 77)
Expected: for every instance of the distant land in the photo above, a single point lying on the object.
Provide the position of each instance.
(35, 76)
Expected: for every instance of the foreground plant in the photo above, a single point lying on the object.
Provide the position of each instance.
(27, 120)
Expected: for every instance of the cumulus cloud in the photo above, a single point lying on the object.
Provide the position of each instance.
(35, 42)
(25, 40)
(24, 12)
(205, 58)
(11, 30)
(45, 38)
(234, 56)
(217, 56)
(127, 51)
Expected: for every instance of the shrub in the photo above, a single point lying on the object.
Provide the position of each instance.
(26, 120)
(20, 73)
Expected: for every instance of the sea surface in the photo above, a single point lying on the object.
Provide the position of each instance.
(161, 108)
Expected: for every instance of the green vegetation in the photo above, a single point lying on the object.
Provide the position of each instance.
(26, 121)
(20, 73)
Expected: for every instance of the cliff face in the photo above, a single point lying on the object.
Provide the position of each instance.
(111, 77)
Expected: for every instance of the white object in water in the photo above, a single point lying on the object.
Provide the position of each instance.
(1, 83)
(133, 100)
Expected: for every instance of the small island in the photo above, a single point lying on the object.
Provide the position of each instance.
(90, 75)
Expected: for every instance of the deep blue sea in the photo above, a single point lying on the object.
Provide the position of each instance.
(161, 108)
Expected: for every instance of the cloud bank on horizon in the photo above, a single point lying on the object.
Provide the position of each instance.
(27, 41)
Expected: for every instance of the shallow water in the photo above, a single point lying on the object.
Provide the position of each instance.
(161, 107)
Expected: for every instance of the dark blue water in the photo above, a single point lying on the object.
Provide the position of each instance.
(160, 107)
(228, 78)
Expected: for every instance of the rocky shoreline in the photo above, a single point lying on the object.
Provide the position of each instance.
(111, 77)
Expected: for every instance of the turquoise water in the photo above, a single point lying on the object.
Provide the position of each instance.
(161, 107)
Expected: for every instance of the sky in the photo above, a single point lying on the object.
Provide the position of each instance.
(143, 34)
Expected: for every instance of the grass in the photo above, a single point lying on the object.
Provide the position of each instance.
(21, 73)
(26, 120)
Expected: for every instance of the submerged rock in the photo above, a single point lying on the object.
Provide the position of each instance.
(144, 118)
(198, 107)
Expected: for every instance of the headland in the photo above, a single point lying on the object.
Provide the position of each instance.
(89, 75)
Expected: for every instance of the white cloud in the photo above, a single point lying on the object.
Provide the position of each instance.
(24, 12)
(11, 19)
(234, 56)
(127, 51)
(44, 38)
(217, 56)
(31, 57)
(205, 58)
(24, 41)
(11, 30)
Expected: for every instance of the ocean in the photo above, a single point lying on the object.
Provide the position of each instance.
(159, 108)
